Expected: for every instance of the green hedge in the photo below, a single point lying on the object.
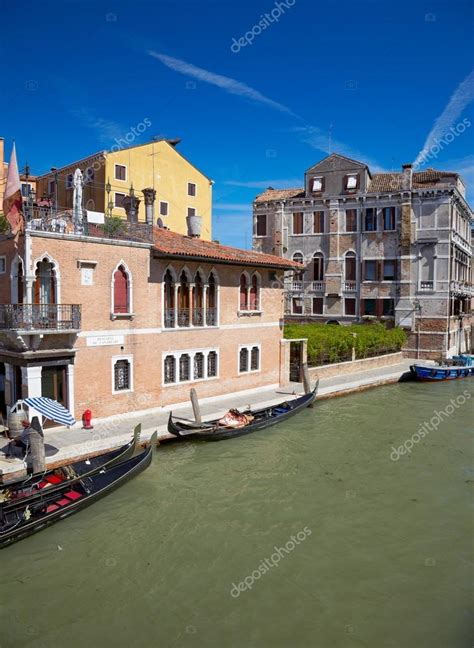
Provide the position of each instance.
(331, 343)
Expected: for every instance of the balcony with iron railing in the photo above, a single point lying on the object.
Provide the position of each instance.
(63, 221)
(31, 318)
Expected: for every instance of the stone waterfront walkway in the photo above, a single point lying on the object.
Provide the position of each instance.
(63, 444)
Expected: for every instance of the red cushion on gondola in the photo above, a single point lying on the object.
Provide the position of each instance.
(63, 501)
(54, 479)
(73, 495)
(51, 508)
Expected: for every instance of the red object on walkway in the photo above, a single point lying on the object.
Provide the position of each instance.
(86, 420)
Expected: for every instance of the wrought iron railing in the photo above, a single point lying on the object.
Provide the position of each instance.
(198, 317)
(211, 316)
(169, 318)
(40, 317)
(183, 317)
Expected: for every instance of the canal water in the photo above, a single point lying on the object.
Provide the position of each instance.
(316, 533)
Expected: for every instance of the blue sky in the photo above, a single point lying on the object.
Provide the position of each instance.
(385, 78)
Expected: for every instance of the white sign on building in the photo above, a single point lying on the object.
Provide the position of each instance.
(105, 340)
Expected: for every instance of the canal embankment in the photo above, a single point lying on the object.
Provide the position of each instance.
(64, 445)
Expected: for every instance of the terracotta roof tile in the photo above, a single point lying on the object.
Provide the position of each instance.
(172, 244)
(279, 194)
(393, 181)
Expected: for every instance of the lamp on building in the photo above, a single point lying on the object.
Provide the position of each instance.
(108, 189)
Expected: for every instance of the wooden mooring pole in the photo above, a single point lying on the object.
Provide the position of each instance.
(306, 380)
(195, 404)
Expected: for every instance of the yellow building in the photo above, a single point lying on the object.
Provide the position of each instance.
(181, 189)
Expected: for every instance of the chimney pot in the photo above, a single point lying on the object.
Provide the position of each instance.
(407, 176)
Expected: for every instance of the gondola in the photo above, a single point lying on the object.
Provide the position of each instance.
(17, 493)
(34, 516)
(260, 419)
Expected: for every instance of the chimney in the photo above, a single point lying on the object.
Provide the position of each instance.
(407, 176)
(194, 224)
(149, 194)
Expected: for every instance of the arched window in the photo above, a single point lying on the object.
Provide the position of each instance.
(255, 359)
(244, 301)
(298, 257)
(45, 283)
(212, 364)
(168, 287)
(211, 301)
(350, 266)
(243, 360)
(121, 291)
(254, 293)
(170, 370)
(183, 300)
(198, 366)
(198, 301)
(184, 367)
(318, 267)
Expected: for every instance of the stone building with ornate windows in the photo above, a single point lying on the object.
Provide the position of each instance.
(389, 246)
(130, 321)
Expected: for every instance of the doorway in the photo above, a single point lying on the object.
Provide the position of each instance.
(296, 351)
(54, 384)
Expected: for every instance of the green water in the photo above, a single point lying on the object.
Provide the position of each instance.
(384, 560)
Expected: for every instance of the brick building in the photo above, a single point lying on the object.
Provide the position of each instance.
(130, 322)
(389, 246)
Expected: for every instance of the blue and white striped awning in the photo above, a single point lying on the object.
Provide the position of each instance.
(51, 409)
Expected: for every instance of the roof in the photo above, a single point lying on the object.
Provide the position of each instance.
(393, 181)
(279, 194)
(380, 183)
(172, 244)
(172, 143)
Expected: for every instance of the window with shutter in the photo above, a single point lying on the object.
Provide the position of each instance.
(120, 291)
(243, 293)
(254, 293)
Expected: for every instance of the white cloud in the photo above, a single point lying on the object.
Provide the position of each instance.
(461, 97)
(228, 84)
(106, 129)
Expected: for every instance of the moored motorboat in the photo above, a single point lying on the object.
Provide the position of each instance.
(34, 516)
(27, 489)
(236, 423)
(460, 367)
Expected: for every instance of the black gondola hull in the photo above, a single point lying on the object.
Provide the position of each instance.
(82, 468)
(101, 483)
(210, 431)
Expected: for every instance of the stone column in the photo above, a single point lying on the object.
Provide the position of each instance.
(204, 304)
(31, 378)
(191, 305)
(70, 388)
(149, 194)
(175, 314)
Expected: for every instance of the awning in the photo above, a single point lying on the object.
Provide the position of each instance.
(51, 409)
